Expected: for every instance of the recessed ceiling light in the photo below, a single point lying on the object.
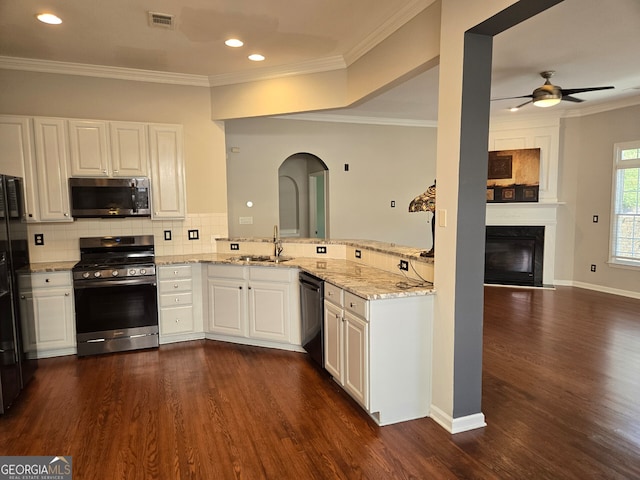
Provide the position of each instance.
(256, 57)
(49, 18)
(234, 42)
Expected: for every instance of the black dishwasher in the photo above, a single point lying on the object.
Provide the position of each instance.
(311, 305)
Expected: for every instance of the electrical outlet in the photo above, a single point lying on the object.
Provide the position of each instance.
(193, 234)
(393, 204)
(39, 238)
(595, 219)
(358, 254)
(235, 246)
(593, 268)
(346, 167)
(167, 234)
(404, 265)
(321, 249)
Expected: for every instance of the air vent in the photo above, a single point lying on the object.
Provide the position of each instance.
(161, 20)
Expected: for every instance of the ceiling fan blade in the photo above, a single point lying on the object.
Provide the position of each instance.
(569, 98)
(511, 98)
(571, 91)
(523, 104)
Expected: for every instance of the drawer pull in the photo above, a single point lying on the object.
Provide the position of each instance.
(175, 272)
(351, 304)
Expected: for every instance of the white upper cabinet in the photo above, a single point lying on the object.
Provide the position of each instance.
(129, 152)
(52, 169)
(17, 158)
(107, 149)
(88, 148)
(167, 171)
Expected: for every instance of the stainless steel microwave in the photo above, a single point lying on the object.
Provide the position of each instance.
(109, 197)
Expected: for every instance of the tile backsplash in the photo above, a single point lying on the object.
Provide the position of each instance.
(61, 239)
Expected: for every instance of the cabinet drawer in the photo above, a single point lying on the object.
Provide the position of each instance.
(333, 294)
(225, 271)
(174, 271)
(355, 304)
(50, 279)
(176, 320)
(176, 300)
(176, 286)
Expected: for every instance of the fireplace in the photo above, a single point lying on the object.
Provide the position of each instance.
(514, 255)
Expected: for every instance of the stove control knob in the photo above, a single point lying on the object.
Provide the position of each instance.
(132, 272)
(86, 275)
(97, 274)
(115, 273)
(142, 271)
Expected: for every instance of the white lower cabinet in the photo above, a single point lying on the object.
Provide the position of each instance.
(47, 314)
(180, 303)
(254, 305)
(379, 351)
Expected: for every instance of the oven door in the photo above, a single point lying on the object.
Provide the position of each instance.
(116, 315)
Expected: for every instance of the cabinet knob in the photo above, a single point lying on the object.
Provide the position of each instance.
(249, 287)
(177, 300)
(175, 285)
(104, 171)
(329, 293)
(22, 297)
(175, 272)
(351, 304)
(66, 214)
(240, 287)
(177, 320)
(116, 171)
(46, 280)
(66, 294)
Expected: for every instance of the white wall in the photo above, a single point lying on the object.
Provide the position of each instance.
(587, 181)
(385, 163)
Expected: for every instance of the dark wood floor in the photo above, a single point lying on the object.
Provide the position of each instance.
(561, 397)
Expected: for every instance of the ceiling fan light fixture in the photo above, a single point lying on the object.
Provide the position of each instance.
(547, 96)
(546, 102)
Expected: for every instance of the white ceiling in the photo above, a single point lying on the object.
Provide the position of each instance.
(587, 42)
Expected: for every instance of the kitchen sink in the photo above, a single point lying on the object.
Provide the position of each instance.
(261, 258)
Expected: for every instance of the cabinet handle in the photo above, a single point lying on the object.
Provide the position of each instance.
(116, 171)
(177, 320)
(175, 272)
(351, 304)
(177, 300)
(329, 293)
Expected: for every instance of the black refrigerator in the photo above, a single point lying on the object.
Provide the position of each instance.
(16, 369)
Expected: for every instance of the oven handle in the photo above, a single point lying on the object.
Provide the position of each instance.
(111, 282)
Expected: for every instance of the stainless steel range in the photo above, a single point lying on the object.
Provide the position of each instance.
(115, 291)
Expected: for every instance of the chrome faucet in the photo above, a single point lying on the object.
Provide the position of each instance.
(277, 243)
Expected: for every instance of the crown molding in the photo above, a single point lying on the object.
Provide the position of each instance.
(118, 73)
(393, 23)
(311, 66)
(335, 118)
(604, 107)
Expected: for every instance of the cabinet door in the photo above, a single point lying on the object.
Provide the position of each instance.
(53, 311)
(333, 349)
(52, 169)
(129, 153)
(88, 148)
(228, 307)
(17, 158)
(167, 171)
(356, 358)
(269, 311)
(27, 319)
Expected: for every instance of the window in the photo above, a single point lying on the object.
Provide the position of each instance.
(625, 220)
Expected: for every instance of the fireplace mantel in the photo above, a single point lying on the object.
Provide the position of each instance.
(532, 214)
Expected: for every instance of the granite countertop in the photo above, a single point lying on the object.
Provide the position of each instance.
(362, 280)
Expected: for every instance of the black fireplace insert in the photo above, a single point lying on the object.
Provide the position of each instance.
(514, 255)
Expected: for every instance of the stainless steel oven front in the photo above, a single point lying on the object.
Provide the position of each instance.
(115, 294)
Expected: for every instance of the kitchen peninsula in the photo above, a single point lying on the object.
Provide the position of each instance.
(379, 344)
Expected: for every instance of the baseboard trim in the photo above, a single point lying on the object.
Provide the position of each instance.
(598, 288)
(457, 425)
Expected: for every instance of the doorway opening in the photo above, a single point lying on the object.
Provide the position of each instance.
(303, 197)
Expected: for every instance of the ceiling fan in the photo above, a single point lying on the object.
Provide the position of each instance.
(548, 94)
